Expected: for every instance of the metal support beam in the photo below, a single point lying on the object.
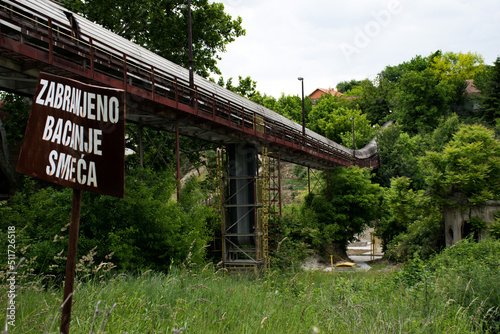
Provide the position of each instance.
(270, 185)
(190, 49)
(178, 162)
(309, 180)
(328, 185)
(279, 185)
(141, 147)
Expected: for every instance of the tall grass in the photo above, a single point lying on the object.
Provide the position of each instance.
(456, 293)
(279, 302)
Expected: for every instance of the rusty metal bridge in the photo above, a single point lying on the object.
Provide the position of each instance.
(40, 35)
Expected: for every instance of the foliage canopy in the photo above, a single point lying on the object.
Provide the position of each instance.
(467, 167)
(161, 26)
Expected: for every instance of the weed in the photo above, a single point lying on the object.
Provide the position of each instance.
(437, 297)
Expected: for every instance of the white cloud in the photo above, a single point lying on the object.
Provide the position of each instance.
(292, 38)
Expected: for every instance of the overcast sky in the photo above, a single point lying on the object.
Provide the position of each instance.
(329, 41)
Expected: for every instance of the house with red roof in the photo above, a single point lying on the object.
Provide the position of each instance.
(472, 94)
(471, 89)
(319, 92)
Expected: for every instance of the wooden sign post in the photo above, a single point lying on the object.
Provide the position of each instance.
(75, 137)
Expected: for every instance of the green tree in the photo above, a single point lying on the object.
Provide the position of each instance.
(161, 26)
(401, 205)
(420, 100)
(426, 88)
(412, 225)
(444, 132)
(354, 204)
(451, 65)
(15, 110)
(467, 171)
(332, 119)
(246, 87)
(398, 153)
(392, 74)
(372, 100)
(452, 70)
(346, 86)
(490, 89)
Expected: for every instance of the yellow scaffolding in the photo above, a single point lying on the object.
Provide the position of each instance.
(271, 202)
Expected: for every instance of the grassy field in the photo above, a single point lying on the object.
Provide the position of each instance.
(208, 300)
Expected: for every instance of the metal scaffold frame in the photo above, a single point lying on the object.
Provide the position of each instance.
(271, 202)
(315, 182)
(266, 210)
(239, 255)
(215, 170)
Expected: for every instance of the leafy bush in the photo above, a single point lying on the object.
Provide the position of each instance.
(494, 226)
(146, 229)
(470, 276)
(424, 237)
(412, 223)
(293, 248)
(414, 272)
(41, 219)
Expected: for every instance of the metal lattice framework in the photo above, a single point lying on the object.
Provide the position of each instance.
(271, 202)
(267, 210)
(235, 254)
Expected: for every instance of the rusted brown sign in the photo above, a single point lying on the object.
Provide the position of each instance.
(75, 136)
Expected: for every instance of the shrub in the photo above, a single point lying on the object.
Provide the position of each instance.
(413, 272)
(292, 249)
(146, 229)
(494, 226)
(470, 276)
(425, 236)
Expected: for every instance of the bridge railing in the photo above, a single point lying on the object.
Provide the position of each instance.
(60, 45)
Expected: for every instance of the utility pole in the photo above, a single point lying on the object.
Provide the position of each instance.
(192, 94)
(303, 110)
(353, 141)
(190, 49)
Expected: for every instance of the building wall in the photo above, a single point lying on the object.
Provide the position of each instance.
(455, 220)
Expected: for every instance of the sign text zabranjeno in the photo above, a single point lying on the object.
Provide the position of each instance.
(75, 136)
